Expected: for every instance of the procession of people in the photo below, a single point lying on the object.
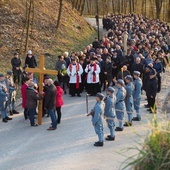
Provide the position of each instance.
(105, 65)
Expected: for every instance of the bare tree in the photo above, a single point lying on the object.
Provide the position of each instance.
(113, 6)
(28, 25)
(59, 15)
(158, 4)
(82, 7)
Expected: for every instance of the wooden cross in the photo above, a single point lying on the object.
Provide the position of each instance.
(41, 71)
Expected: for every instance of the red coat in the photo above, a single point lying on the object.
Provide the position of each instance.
(23, 93)
(59, 94)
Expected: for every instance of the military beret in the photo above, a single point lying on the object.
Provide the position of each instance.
(1, 75)
(111, 89)
(100, 96)
(136, 73)
(9, 72)
(121, 82)
(129, 77)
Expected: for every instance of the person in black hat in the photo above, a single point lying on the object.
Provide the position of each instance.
(16, 67)
(96, 118)
(109, 112)
(145, 82)
(151, 91)
(93, 71)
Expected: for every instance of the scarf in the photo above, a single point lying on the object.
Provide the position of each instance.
(77, 76)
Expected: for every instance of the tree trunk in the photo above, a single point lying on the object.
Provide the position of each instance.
(158, 4)
(130, 6)
(133, 5)
(113, 6)
(59, 15)
(32, 21)
(82, 7)
(168, 11)
(28, 25)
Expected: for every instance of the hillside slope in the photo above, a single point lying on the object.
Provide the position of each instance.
(74, 32)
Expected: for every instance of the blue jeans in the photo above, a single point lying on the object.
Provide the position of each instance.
(31, 116)
(11, 105)
(53, 116)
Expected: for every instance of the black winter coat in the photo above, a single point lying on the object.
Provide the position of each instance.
(50, 97)
(31, 62)
(16, 62)
(151, 89)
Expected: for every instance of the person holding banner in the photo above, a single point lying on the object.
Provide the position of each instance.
(74, 71)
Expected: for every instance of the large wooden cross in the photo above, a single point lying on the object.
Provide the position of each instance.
(41, 71)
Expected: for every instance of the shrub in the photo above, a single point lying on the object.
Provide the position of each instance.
(155, 153)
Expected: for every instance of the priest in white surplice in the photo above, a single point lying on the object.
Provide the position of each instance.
(74, 71)
(92, 71)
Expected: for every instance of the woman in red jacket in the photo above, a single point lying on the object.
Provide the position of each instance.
(24, 98)
(59, 99)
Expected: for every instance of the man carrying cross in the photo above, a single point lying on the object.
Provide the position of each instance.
(41, 71)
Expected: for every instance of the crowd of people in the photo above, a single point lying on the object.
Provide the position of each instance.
(102, 65)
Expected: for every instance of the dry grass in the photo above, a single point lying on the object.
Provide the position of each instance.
(73, 35)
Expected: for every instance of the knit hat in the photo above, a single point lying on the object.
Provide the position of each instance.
(29, 52)
(111, 89)
(100, 96)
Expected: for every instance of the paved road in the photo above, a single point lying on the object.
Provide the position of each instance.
(70, 147)
(92, 21)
